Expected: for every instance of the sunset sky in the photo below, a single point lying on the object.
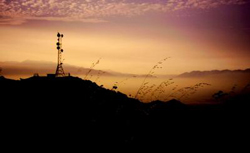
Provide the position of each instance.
(129, 35)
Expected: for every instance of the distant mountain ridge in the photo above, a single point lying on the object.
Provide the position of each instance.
(213, 72)
(30, 67)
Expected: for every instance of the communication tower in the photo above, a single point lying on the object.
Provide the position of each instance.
(59, 69)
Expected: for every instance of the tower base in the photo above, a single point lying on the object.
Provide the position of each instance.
(59, 71)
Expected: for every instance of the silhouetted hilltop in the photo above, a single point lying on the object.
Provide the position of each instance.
(2, 78)
(68, 107)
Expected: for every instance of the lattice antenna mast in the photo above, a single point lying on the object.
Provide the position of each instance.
(59, 69)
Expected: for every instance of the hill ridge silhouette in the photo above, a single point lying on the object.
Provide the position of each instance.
(77, 107)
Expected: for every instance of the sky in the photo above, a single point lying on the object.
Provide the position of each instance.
(129, 36)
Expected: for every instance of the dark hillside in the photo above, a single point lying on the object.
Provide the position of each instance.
(69, 108)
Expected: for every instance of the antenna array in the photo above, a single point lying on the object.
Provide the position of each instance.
(59, 69)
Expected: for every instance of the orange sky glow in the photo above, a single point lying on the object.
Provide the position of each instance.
(129, 36)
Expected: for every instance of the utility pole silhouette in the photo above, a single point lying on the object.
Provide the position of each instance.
(59, 69)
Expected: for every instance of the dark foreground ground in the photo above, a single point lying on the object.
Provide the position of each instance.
(46, 111)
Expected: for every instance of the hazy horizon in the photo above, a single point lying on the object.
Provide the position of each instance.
(29, 67)
(159, 87)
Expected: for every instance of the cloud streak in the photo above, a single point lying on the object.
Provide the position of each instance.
(18, 12)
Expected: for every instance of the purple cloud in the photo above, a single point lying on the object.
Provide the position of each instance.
(18, 12)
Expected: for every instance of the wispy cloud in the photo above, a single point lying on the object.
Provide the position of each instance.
(17, 12)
